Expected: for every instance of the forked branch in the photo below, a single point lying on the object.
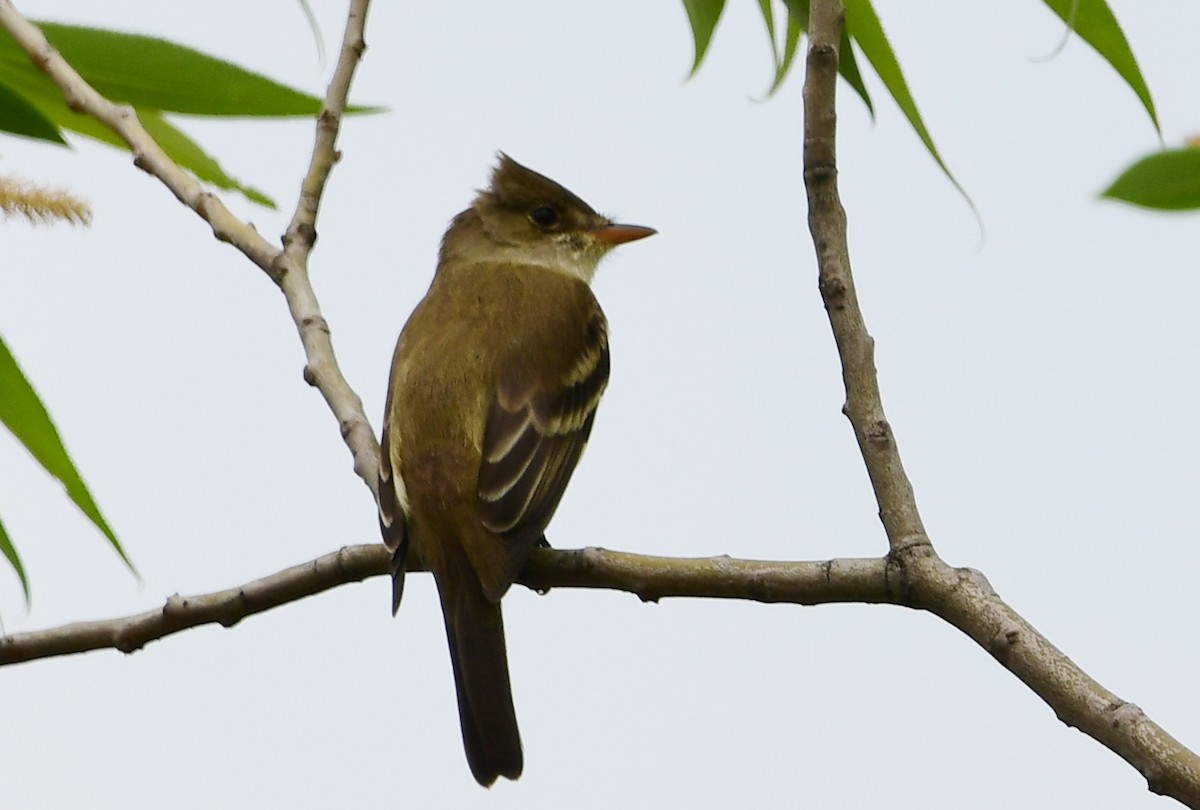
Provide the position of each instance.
(286, 267)
(962, 597)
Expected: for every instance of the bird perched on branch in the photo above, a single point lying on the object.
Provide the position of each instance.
(493, 390)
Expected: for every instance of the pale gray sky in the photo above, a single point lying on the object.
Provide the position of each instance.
(1042, 386)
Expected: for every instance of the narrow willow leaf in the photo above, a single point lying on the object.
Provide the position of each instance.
(703, 16)
(1166, 181)
(153, 73)
(153, 76)
(767, 10)
(847, 64)
(10, 553)
(848, 67)
(19, 117)
(863, 26)
(22, 412)
(48, 101)
(791, 41)
(1096, 24)
(179, 147)
(188, 154)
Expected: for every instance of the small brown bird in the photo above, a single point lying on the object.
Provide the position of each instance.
(493, 389)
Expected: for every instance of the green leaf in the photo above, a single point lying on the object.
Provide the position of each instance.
(188, 154)
(10, 552)
(864, 27)
(791, 41)
(1167, 181)
(847, 63)
(155, 74)
(767, 10)
(47, 100)
(703, 16)
(1094, 21)
(26, 418)
(181, 149)
(20, 117)
(848, 67)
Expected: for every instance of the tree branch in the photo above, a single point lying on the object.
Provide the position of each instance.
(226, 608)
(322, 370)
(650, 578)
(962, 597)
(288, 267)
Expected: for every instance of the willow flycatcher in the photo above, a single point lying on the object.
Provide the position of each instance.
(493, 389)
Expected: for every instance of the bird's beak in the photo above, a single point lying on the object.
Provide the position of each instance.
(617, 234)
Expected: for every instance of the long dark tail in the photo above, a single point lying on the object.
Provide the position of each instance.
(475, 630)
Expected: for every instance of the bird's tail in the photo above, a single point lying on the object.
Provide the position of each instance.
(475, 631)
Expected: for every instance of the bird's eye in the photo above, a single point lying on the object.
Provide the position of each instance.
(544, 216)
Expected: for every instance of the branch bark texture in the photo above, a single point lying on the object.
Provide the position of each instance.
(650, 578)
(962, 597)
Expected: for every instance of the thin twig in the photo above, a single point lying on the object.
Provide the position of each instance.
(322, 370)
(962, 597)
(856, 347)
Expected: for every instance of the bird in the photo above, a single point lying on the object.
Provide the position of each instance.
(491, 397)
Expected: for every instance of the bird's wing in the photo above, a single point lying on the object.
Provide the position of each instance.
(392, 505)
(537, 427)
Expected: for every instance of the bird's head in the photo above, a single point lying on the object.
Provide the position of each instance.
(528, 218)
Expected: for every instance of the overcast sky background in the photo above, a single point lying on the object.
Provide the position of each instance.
(1042, 383)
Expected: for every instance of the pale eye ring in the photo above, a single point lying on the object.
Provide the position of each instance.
(544, 216)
